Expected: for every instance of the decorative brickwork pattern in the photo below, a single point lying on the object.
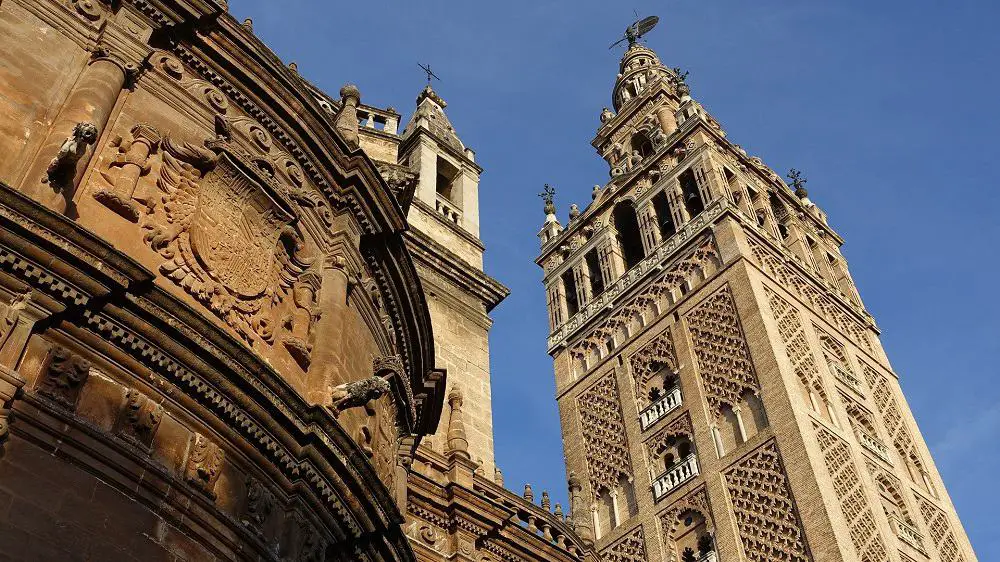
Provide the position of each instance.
(630, 548)
(696, 501)
(820, 302)
(657, 354)
(892, 418)
(940, 529)
(850, 493)
(721, 350)
(793, 336)
(603, 430)
(764, 509)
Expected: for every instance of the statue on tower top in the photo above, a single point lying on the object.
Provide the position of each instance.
(635, 31)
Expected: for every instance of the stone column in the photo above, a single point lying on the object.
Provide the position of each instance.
(649, 228)
(19, 320)
(610, 259)
(675, 198)
(582, 281)
(91, 101)
(666, 118)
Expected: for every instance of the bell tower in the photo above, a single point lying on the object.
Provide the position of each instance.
(723, 391)
(444, 239)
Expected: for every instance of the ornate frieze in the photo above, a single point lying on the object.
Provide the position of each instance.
(630, 548)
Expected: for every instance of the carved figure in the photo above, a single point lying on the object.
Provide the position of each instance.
(64, 376)
(62, 168)
(606, 115)
(358, 393)
(303, 317)
(17, 305)
(574, 211)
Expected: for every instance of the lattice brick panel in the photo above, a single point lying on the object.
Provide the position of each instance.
(604, 434)
(892, 417)
(764, 509)
(793, 337)
(658, 353)
(630, 548)
(850, 493)
(721, 350)
(797, 283)
(940, 529)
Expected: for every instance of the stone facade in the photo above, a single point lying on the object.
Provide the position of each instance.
(215, 344)
(722, 389)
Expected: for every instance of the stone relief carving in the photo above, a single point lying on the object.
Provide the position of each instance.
(11, 313)
(940, 531)
(226, 232)
(259, 504)
(132, 161)
(63, 376)
(300, 321)
(203, 464)
(631, 548)
(139, 418)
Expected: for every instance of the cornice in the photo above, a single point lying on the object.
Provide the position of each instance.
(447, 264)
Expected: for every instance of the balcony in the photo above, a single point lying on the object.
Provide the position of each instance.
(674, 477)
(847, 377)
(709, 557)
(874, 444)
(659, 409)
(448, 210)
(907, 533)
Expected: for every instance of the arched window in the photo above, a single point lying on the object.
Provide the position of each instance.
(641, 144)
(627, 225)
(692, 197)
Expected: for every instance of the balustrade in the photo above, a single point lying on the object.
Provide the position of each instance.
(907, 533)
(847, 377)
(674, 477)
(874, 444)
(659, 409)
(380, 120)
(448, 210)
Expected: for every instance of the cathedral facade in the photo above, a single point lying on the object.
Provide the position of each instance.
(722, 388)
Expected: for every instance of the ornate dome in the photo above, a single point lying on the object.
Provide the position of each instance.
(639, 68)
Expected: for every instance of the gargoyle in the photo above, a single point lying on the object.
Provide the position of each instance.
(358, 393)
(63, 164)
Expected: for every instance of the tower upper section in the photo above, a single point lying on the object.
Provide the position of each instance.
(447, 191)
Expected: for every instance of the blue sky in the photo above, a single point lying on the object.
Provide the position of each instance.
(888, 107)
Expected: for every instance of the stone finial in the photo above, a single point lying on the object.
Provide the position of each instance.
(546, 501)
(248, 24)
(798, 183)
(458, 443)
(498, 477)
(558, 512)
(293, 66)
(606, 115)
(346, 121)
(595, 192)
(528, 494)
(574, 211)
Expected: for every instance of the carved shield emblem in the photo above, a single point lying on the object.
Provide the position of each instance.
(235, 228)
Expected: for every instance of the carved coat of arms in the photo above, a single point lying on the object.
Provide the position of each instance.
(226, 231)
